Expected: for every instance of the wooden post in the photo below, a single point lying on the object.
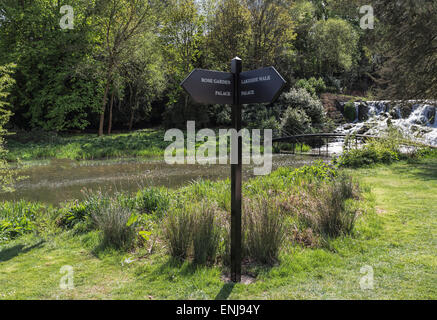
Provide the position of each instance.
(236, 178)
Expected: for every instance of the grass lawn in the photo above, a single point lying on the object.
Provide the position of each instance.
(398, 239)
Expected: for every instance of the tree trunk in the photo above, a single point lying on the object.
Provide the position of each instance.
(132, 109)
(131, 120)
(110, 112)
(102, 115)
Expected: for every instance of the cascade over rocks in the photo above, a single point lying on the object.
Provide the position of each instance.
(416, 119)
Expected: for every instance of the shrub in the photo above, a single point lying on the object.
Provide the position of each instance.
(300, 99)
(350, 112)
(313, 86)
(153, 200)
(206, 233)
(113, 221)
(383, 150)
(295, 121)
(18, 218)
(317, 172)
(335, 217)
(178, 229)
(80, 213)
(263, 231)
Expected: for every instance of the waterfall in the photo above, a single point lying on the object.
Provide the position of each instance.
(418, 120)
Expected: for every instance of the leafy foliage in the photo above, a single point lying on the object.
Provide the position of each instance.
(350, 112)
(7, 176)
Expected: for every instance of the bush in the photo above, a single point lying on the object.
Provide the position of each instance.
(264, 231)
(350, 112)
(295, 121)
(313, 86)
(178, 229)
(153, 200)
(206, 233)
(302, 100)
(113, 220)
(383, 150)
(18, 218)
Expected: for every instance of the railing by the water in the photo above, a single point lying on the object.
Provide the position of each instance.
(320, 140)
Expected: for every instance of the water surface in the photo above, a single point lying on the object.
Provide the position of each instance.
(60, 180)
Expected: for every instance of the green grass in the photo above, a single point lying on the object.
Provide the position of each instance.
(397, 237)
(148, 143)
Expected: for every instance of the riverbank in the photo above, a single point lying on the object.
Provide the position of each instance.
(146, 143)
(396, 237)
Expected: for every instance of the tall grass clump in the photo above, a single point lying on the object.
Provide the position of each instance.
(153, 200)
(113, 221)
(335, 216)
(206, 233)
(178, 230)
(264, 231)
(328, 208)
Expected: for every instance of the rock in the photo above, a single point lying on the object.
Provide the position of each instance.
(339, 106)
(406, 109)
(363, 129)
(394, 114)
(432, 115)
(389, 122)
(363, 112)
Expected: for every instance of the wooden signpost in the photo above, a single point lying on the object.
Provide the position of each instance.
(235, 88)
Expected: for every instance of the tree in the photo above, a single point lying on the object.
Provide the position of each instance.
(335, 42)
(408, 46)
(48, 92)
(118, 22)
(230, 34)
(7, 176)
(272, 31)
(143, 74)
(182, 36)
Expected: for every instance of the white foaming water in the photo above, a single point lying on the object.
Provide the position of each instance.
(419, 124)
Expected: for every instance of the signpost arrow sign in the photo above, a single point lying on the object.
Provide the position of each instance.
(210, 87)
(236, 88)
(260, 86)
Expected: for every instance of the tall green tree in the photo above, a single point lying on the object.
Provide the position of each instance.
(230, 34)
(7, 176)
(272, 31)
(48, 93)
(117, 23)
(335, 43)
(408, 45)
(144, 78)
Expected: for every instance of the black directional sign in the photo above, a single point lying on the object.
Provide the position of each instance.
(236, 88)
(210, 87)
(260, 86)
